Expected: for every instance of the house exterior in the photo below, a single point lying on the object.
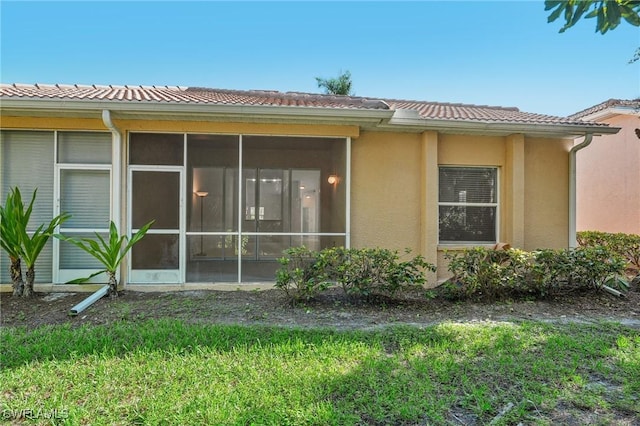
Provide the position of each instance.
(232, 178)
(608, 190)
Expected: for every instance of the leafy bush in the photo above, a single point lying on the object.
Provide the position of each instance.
(481, 273)
(581, 268)
(360, 272)
(625, 245)
(300, 275)
(375, 271)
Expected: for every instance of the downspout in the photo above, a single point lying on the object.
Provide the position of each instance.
(89, 301)
(116, 171)
(115, 202)
(573, 242)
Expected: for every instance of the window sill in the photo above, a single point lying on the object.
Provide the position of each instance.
(464, 246)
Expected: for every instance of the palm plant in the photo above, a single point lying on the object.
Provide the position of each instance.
(15, 239)
(109, 253)
(32, 247)
(340, 85)
(12, 219)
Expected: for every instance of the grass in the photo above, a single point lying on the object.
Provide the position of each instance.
(171, 372)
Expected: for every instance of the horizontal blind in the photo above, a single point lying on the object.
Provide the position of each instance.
(84, 147)
(26, 162)
(72, 257)
(85, 195)
(468, 204)
(467, 185)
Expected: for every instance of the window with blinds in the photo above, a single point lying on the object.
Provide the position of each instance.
(468, 205)
(84, 176)
(26, 162)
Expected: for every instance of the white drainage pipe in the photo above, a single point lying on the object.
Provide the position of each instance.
(572, 188)
(89, 301)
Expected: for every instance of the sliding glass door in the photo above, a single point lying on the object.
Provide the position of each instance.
(288, 200)
(212, 235)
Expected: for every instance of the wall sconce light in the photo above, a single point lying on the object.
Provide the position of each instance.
(201, 193)
(332, 179)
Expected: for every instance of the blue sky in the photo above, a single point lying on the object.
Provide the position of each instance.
(496, 53)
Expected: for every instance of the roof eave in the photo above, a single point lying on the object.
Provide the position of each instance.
(499, 128)
(125, 109)
(400, 120)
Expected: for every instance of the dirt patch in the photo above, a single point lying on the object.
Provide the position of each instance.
(332, 309)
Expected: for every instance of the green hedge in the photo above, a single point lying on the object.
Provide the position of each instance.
(487, 274)
(477, 273)
(367, 272)
(625, 245)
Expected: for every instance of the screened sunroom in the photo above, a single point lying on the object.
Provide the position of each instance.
(224, 206)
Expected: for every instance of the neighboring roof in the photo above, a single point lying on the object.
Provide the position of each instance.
(416, 114)
(632, 104)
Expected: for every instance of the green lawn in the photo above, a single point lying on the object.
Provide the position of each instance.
(171, 372)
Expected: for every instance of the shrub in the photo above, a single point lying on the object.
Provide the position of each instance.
(366, 272)
(481, 273)
(595, 265)
(377, 272)
(625, 245)
(300, 275)
(574, 269)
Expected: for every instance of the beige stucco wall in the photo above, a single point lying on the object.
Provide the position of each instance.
(546, 200)
(608, 180)
(385, 190)
(467, 150)
(394, 179)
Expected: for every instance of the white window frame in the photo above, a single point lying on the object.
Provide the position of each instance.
(496, 205)
(61, 276)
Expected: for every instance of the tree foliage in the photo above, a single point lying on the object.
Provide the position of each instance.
(608, 13)
(341, 85)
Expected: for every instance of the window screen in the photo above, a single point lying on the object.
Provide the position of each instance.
(156, 149)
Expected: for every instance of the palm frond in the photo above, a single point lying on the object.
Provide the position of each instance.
(85, 279)
(108, 252)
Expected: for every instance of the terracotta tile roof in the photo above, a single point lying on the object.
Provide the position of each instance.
(275, 98)
(484, 113)
(188, 95)
(611, 103)
(207, 96)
